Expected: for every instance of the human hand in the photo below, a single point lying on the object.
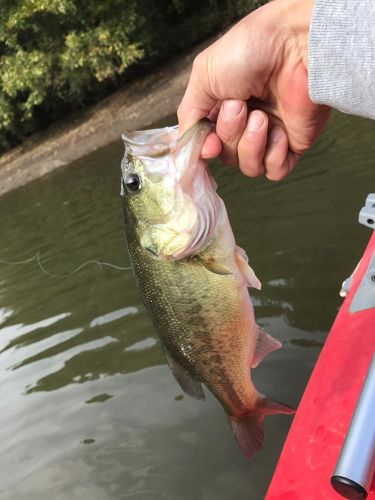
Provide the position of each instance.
(253, 82)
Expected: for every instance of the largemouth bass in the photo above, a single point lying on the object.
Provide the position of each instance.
(193, 277)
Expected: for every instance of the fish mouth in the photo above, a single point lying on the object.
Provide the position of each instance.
(197, 132)
(162, 141)
(187, 150)
(165, 154)
(150, 143)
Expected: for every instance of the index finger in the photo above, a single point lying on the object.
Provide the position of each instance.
(198, 100)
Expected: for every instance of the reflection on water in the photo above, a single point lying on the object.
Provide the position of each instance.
(89, 408)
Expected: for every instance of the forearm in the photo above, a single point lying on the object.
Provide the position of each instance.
(341, 56)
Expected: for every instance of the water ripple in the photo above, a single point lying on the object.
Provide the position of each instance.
(113, 316)
(89, 409)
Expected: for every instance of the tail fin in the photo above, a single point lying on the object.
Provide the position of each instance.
(249, 432)
(249, 428)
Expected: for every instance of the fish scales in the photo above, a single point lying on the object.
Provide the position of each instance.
(214, 337)
(192, 276)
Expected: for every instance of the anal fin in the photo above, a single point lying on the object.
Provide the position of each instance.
(186, 381)
(265, 345)
(272, 407)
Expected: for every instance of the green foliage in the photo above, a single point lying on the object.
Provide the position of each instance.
(56, 55)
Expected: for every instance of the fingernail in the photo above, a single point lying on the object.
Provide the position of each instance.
(277, 133)
(256, 121)
(232, 108)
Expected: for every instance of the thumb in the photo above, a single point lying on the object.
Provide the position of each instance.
(198, 100)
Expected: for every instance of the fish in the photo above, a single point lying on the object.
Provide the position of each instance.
(192, 276)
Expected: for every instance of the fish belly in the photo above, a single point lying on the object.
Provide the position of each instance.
(205, 322)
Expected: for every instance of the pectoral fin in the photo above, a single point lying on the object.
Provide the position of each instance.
(212, 265)
(246, 271)
(265, 345)
(186, 381)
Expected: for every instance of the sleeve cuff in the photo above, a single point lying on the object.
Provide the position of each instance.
(341, 55)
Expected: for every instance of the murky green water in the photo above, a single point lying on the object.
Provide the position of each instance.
(89, 409)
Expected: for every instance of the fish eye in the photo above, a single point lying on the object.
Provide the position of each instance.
(132, 183)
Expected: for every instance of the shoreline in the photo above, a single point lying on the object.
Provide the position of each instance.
(138, 105)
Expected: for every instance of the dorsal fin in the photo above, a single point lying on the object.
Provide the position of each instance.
(265, 345)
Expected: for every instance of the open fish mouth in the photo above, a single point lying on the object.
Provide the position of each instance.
(152, 142)
(155, 143)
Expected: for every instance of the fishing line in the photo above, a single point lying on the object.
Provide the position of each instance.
(37, 258)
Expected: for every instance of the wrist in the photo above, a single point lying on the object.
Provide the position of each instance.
(297, 17)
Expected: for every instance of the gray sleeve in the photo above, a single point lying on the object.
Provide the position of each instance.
(341, 56)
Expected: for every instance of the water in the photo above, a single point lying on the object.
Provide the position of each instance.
(89, 408)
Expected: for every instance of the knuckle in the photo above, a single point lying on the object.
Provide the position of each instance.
(254, 141)
(251, 153)
(251, 169)
(226, 134)
(253, 172)
(277, 174)
(198, 61)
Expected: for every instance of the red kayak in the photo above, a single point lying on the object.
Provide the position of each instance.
(315, 440)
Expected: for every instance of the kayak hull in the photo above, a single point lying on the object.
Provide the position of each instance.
(315, 439)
